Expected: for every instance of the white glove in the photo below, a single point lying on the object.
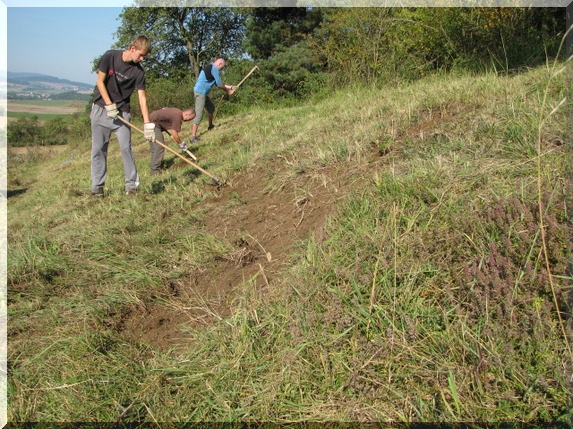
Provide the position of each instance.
(183, 147)
(112, 111)
(149, 131)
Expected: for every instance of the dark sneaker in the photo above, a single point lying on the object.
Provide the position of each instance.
(194, 139)
(210, 127)
(98, 193)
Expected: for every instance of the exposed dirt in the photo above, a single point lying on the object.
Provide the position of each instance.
(264, 219)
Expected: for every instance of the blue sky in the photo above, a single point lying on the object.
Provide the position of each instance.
(59, 41)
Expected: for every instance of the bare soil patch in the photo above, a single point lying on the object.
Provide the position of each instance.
(264, 225)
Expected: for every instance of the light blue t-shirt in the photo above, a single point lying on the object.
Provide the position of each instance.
(203, 85)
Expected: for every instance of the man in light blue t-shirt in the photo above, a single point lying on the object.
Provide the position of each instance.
(208, 77)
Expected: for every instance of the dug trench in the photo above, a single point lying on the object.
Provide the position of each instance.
(264, 221)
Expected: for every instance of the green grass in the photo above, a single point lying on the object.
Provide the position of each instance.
(40, 116)
(436, 292)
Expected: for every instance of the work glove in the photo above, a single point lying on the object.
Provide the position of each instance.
(149, 131)
(183, 147)
(112, 111)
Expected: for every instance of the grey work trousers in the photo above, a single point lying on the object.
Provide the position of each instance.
(102, 127)
(202, 102)
(157, 151)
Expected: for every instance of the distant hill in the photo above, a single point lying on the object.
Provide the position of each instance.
(37, 86)
(35, 80)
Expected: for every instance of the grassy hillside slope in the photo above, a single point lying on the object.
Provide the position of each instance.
(392, 254)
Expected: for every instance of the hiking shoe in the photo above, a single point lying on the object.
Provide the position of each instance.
(194, 139)
(98, 193)
(210, 127)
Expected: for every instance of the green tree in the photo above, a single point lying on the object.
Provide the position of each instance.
(277, 40)
(355, 43)
(478, 38)
(273, 29)
(183, 38)
(380, 44)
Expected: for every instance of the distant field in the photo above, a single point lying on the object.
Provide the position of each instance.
(44, 109)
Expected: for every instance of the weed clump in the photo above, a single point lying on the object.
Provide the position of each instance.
(512, 275)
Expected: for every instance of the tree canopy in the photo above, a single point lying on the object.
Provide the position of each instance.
(296, 47)
(183, 37)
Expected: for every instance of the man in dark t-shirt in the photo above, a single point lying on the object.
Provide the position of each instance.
(168, 119)
(119, 74)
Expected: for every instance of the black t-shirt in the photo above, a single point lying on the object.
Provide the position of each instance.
(122, 79)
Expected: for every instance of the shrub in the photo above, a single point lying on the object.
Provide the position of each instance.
(25, 131)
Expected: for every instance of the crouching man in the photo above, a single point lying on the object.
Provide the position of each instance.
(170, 120)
